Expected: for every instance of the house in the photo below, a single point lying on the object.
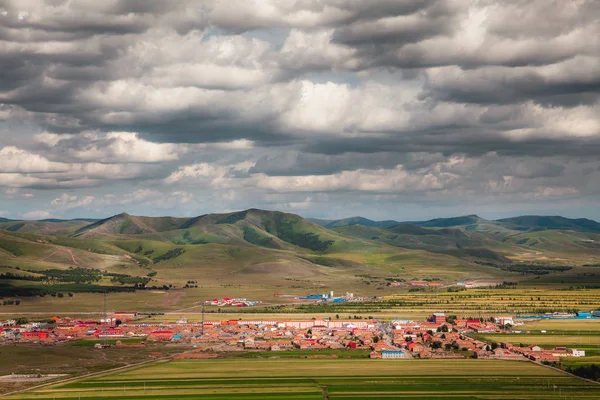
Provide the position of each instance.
(578, 353)
(34, 335)
(161, 335)
(392, 354)
(424, 354)
(124, 315)
(543, 356)
(415, 347)
(503, 354)
(375, 354)
(482, 354)
(438, 318)
(109, 333)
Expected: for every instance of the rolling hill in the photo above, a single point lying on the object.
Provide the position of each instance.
(330, 224)
(535, 222)
(259, 252)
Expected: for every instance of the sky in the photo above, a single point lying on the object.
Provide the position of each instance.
(388, 109)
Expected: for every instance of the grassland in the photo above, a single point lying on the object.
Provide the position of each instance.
(256, 254)
(330, 379)
(396, 303)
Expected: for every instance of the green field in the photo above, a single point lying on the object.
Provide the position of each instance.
(326, 379)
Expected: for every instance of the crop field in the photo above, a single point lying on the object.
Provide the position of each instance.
(564, 325)
(589, 342)
(76, 358)
(325, 379)
(472, 302)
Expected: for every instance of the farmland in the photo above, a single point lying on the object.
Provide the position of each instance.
(318, 379)
(589, 342)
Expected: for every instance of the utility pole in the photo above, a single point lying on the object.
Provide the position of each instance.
(104, 325)
(202, 329)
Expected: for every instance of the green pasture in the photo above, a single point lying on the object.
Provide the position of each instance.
(325, 379)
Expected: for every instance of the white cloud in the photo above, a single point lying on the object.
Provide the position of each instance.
(37, 214)
(66, 201)
(112, 147)
(13, 159)
(149, 197)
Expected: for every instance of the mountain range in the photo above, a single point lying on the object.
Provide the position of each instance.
(264, 251)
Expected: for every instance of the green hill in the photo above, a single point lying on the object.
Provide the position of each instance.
(254, 253)
(270, 229)
(447, 222)
(536, 222)
(44, 227)
(330, 224)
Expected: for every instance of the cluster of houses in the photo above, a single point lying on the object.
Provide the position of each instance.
(331, 298)
(228, 301)
(416, 283)
(438, 337)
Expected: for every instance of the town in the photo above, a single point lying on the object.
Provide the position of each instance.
(441, 336)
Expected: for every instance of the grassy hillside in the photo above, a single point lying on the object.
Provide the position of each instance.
(45, 227)
(330, 224)
(256, 253)
(535, 222)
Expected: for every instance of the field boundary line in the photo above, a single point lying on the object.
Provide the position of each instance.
(75, 378)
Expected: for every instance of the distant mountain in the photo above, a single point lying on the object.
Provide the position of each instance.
(330, 224)
(535, 222)
(447, 222)
(416, 237)
(50, 227)
(259, 249)
(6, 220)
(67, 220)
(271, 229)
(125, 224)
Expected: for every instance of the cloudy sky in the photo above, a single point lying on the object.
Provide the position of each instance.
(327, 108)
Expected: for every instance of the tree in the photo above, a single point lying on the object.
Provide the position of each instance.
(337, 316)
(444, 328)
(118, 322)
(494, 345)
(375, 339)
